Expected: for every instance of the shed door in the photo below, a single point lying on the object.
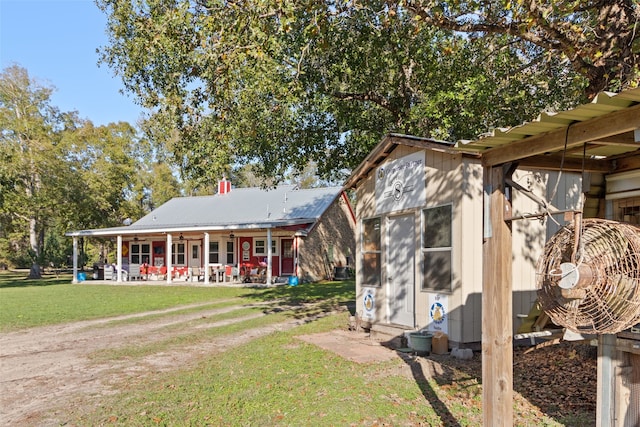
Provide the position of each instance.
(400, 270)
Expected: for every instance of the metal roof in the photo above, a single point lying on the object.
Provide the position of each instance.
(241, 208)
(571, 126)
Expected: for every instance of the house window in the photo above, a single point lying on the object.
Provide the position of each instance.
(214, 252)
(140, 252)
(371, 244)
(177, 254)
(287, 248)
(260, 247)
(436, 248)
(230, 253)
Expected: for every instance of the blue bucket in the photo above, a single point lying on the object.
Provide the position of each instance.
(82, 277)
(293, 280)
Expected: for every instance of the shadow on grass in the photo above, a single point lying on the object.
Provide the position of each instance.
(440, 408)
(308, 292)
(307, 302)
(19, 279)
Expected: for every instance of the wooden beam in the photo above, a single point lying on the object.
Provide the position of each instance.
(578, 133)
(497, 326)
(571, 164)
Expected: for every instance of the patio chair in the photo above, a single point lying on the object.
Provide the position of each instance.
(196, 272)
(134, 271)
(258, 275)
(108, 272)
(232, 273)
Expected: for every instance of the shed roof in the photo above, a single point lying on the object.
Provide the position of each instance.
(386, 146)
(241, 208)
(600, 132)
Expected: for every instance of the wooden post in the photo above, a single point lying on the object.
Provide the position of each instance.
(497, 327)
(607, 364)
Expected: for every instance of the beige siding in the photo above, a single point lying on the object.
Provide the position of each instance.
(467, 316)
(456, 180)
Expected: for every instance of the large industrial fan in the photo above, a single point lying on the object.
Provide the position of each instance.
(588, 278)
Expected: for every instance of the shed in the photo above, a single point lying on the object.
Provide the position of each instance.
(420, 237)
(236, 233)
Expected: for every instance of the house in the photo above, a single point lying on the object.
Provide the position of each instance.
(241, 233)
(421, 225)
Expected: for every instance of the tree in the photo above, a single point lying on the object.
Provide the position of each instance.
(64, 173)
(277, 84)
(599, 39)
(30, 133)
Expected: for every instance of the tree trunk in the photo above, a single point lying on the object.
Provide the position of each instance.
(34, 273)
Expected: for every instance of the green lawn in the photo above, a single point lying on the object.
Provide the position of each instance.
(275, 380)
(27, 303)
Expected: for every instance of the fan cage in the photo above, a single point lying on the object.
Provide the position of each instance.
(607, 300)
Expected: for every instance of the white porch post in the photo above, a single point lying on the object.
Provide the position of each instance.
(205, 254)
(119, 258)
(269, 256)
(168, 262)
(75, 260)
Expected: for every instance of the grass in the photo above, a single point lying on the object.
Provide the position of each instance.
(28, 303)
(275, 380)
(279, 380)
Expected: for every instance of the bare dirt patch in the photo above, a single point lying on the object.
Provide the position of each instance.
(48, 370)
(45, 368)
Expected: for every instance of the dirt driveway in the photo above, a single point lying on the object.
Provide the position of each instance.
(47, 368)
(47, 373)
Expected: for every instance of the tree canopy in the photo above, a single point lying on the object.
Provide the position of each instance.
(60, 173)
(280, 83)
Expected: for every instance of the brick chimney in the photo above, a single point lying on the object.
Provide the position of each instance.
(224, 186)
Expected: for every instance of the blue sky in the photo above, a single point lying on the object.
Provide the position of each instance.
(56, 41)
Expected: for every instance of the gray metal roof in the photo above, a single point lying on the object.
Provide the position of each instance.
(241, 208)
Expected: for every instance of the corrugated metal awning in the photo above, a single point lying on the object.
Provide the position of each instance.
(600, 130)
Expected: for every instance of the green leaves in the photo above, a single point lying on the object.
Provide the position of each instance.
(277, 84)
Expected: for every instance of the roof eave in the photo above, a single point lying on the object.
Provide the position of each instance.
(130, 231)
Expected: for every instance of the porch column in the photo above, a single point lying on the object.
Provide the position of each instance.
(205, 254)
(119, 258)
(296, 242)
(74, 279)
(497, 328)
(269, 256)
(168, 262)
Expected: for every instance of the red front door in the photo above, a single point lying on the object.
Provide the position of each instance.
(286, 257)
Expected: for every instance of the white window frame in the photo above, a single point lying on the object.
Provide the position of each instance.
(274, 247)
(436, 250)
(140, 253)
(211, 252)
(368, 252)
